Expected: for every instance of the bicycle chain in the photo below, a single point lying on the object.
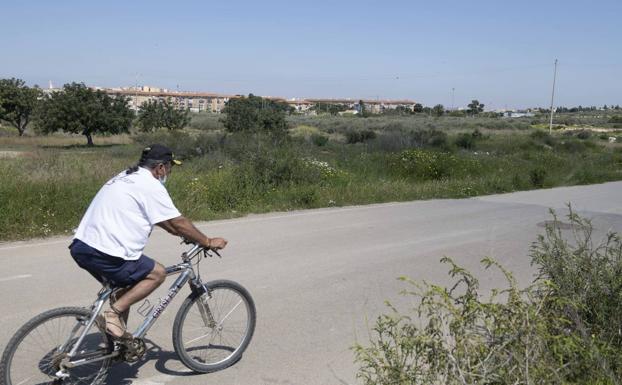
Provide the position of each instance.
(132, 351)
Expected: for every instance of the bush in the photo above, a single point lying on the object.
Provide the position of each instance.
(183, 144)
(456, 337)
(206, 121)
(586, 277)
(584, 134)
(430, 138)
(425, 165)
(359, 136)
(562, 329)
(319, 140)
(303, 131)
(466, 141)
(543, 137)
(615, 119)
(537, 176)
(573, 146)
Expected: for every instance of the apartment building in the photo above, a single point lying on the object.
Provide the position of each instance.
(211, 102)
(373, 106)
(194, 101)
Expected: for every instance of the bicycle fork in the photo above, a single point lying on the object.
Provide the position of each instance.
(206, 313)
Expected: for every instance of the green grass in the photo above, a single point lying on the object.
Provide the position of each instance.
(48, 184)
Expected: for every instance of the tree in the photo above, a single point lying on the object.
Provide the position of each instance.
(255, 114)
(418, 108)
(362, 109)
(475, 107)
(149, 116)
(330, 108)
(162, 113)
(17, 103)
(438, 110)
(173, 118)
(80, 110)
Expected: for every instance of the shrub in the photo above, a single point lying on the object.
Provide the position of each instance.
(183, 144)
(573, 146)
(466, 141)
(452, 336)
(562, 329)
(537, 176)
(585, 276)
(539, 135)
(303, 131)
(319, 140)
(423, 164)
(359, 136)
(543, 137)
(615, 119)
(584, 134)
(206, 121)
(430, 138)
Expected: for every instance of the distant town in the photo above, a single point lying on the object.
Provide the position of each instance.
(215, 102)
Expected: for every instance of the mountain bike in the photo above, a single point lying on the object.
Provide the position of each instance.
(69, 345)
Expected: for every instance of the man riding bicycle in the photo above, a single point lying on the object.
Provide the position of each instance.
(115, 228)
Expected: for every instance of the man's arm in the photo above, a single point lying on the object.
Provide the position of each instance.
(183, 227)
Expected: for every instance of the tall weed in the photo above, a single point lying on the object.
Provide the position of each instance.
(562, 329)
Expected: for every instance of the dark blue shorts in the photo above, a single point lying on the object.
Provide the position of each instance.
(115, 270)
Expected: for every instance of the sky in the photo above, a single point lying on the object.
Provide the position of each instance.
(449, 52)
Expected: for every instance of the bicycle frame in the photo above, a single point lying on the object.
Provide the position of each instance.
(187, 275)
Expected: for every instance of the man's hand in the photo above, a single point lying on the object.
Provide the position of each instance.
(215, 243)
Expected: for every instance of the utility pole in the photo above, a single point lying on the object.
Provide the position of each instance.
(552, 98)
(136, 93)
(452, 97)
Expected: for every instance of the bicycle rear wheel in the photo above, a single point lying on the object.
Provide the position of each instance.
(213, 337)
(34, 353)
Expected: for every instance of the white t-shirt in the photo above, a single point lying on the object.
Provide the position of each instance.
(122, 215)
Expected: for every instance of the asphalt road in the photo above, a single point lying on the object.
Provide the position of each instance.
(319, 277)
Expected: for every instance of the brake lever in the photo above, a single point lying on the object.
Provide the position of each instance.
(207, 251)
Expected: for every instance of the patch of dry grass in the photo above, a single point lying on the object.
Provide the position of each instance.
(9, 142)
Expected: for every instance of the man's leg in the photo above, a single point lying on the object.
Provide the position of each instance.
(139, 291)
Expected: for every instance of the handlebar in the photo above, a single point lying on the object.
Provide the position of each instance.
(204, 249)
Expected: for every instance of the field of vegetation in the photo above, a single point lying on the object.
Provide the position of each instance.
(316, 161)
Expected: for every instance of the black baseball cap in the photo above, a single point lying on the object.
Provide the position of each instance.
(159, 152)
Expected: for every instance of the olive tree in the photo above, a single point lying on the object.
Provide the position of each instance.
(80, 110)
(17, 103)
(162, 113)
(255, 114)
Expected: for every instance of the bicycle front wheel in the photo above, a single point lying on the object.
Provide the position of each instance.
(34, 354)
(211, 331)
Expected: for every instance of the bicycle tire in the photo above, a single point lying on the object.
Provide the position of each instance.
(222, 308)
(50, 321)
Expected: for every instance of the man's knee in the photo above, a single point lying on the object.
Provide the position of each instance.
(158, 273)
